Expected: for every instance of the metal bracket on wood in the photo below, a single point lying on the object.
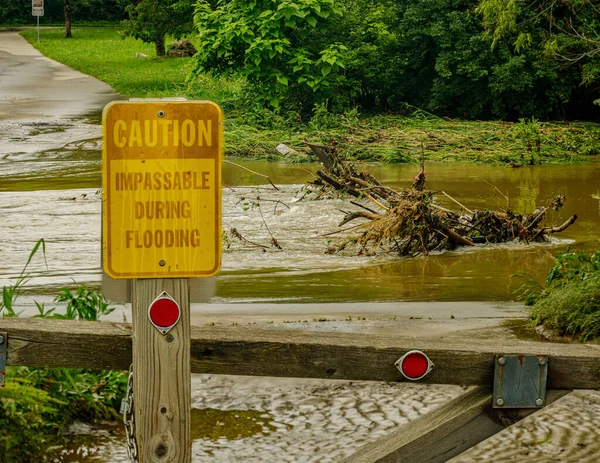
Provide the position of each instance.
(3, 349)
(520, 381)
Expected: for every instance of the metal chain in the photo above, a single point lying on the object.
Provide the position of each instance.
(128, 412)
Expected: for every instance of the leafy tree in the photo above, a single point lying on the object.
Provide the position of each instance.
(568, 30)
(152, 20)
(282, 47)
(434, 54)
(382, 54)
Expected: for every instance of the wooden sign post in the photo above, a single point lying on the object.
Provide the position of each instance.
(162, 226)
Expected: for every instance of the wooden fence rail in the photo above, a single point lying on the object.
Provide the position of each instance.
(243, 351)
(435, 437)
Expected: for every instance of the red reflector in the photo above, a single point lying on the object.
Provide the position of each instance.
(164, 312)
(414, 365)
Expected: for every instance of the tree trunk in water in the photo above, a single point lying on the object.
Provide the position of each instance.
(68, 19)
(160, 46)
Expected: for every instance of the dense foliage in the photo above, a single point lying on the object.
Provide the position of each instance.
(380, 55)
(152, 20)
(18, 12)
(569, 302)
(285, 49)
(569, 31)
(38, 406)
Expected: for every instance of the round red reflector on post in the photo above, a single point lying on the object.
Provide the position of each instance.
(414, 365)
(164, 312)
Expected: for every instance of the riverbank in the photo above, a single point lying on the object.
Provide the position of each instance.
(108, 56)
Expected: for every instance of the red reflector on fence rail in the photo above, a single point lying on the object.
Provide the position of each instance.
(414, 365)
(164, 312)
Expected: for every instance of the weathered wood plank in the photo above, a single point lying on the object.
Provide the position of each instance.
(444, 432)
(162, 377)
(64, 343)
(244, 351)
(428, 438)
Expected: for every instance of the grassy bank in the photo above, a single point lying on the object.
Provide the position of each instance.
(569, 301)
(105, 54)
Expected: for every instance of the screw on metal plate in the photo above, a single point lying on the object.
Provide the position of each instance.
(161, 114)
(520, 381)
(162, 263)
(3, 349)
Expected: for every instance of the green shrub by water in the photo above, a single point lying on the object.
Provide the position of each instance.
(38, 405)
(572, 309)
(569, 303)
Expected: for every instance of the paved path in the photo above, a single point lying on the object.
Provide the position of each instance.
(44, 104)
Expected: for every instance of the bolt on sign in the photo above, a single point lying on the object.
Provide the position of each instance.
(162, 189)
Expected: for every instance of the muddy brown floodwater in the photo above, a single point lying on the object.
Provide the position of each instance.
(36, 203)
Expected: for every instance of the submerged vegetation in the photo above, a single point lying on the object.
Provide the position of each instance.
(38, 405)
(569, 301)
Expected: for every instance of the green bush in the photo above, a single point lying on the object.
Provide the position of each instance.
(38, 405)
(30, 422)
(569, 303)
(283, 48)
(572, 309)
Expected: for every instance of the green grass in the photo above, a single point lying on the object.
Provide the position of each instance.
(103, 53)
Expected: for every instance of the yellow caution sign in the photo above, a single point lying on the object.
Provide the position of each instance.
(161, 175)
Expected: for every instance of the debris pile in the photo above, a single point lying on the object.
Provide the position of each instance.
(181, 48)
(409, 222)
